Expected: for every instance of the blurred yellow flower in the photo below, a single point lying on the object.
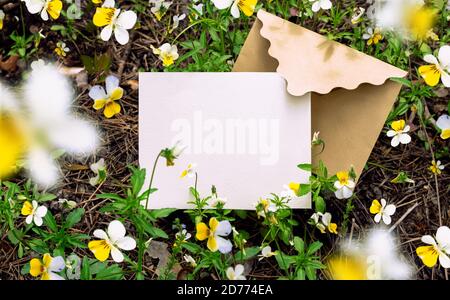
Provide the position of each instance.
(2, 17)
(419, 20)
(373, 37)
(61, 49)
(347, 268)
(13, 141)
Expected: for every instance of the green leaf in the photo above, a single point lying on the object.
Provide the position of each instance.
(15, 236)
(161, 213)
(305, 167)
(50, 221)
(38, 246)
(249, 253)
(304, 189)
(402, 81)
(301, 274)
(313, 248)
(319, 204)
(46, 197)
(113, 272)
(85, 269)
(402, 177)
(299, 245)
(310, 273)
(284, 261)
(74, 217)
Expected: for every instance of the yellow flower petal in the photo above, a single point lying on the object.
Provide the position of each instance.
(347, 268)
(202, 231)
(375, 208)
(36, 267)
(54, 8)
(184, 173)
(213, 223)
(117, 94)
(27, 208)
(47, 260)
(430, 74)
(398, 125)
(103, 16)
(212, 244)
(100, 248)
(99, 104)
(45, 276)
(332, 228)
(247, 6)
(167, 60)
(445, 134)
(111, 109)
(13, 144)
(294, 186)
(1, 24)
(343, 177)
(428, 255)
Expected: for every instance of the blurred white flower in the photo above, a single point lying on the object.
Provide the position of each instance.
(176, 21)
(321, 4)
(160, 8)
(99, 169)
(266, 252)
(358, 12)
(236, 273)
(190, 260)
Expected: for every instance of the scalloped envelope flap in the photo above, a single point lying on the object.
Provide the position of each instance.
(310, 62)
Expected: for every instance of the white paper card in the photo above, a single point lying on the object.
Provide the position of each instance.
(244, 132)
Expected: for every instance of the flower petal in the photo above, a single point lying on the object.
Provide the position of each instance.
(126, 243)
(223, 245)
(377, 218)
(41, 211)
(57, 264)
(444, 260)
(100, 248)
(428, 255)
(224, 228)
(127, 19)
(202, 231)
(117, 255)
(112, 82)
(443, 237)
(431, 59)
(97, 92)
(428, 239)
(390, 209)
(122, 35)
(106, 33)
(444, 56)
(430, 74)
(235, 10)
(111, 109)
(116, 231)
(212, 244)
(443, 122)
(100, 234)
(387, 219)
(222, 4)
(395, 141)
(35, 267)
(37, 220)
(404, 138)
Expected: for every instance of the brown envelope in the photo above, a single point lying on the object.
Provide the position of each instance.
(351, 91)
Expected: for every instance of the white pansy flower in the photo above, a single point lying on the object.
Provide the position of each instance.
(189, 171)
(190, 260)
(266, 252)
(382, 211)
(321, 4)
(443, 122)
(114, 20)
(439, 248)
(34, 212)
(111, 242)
(160, 8)
(167, 53)
(99, 169)
(45, 8)
(236, 273)
(344, 185)
(357, 15)
(399, 133)
(246, 6)
(176, 21)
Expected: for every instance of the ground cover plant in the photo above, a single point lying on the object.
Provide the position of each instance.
(70, 201)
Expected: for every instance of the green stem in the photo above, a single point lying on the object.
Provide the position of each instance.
(151, 179)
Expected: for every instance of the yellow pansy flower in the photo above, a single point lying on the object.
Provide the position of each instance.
(344, 185)
(2, 17)
(107, 100)
(438, 248)
(189, 171)
(48, 268)
(323, 222)
(399, 133)
(382, 211)
(45, 8)
(443, 122)
(61, 49)
(160, 8)
(438, 68)
(436, 167)
(34, 212)
(111, 242)
(167, 53)
(373, 36)
(246, 6)
(214, 234)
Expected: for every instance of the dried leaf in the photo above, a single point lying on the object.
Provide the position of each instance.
(9, 65)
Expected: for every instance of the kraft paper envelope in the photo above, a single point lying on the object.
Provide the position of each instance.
(243, 130)
(351, 92)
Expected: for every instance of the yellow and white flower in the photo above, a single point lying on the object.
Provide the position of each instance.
(183, 235)
(190, 260)
(290, 191)
(399, 133)
(189, 171)
(61, 49)
(266, 252)
(436, 167)
(214, 234)
(167, 53)
(382, 211)
(439, 248)
(99, 169)
(160, 8)
(48, 268)
(443, 122)
(2, 18)
(357, 15)
(69, 204)
(236, 273)
(264, 207)
(34, 212)
(323, 222)
(373, 37)
(114, 20)
(111, 242)
(107, 99)
(176, 21)
(344, 185)
(438, 68)
(321, 4)
(246, 6)
(46, 8)
(196, 11)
